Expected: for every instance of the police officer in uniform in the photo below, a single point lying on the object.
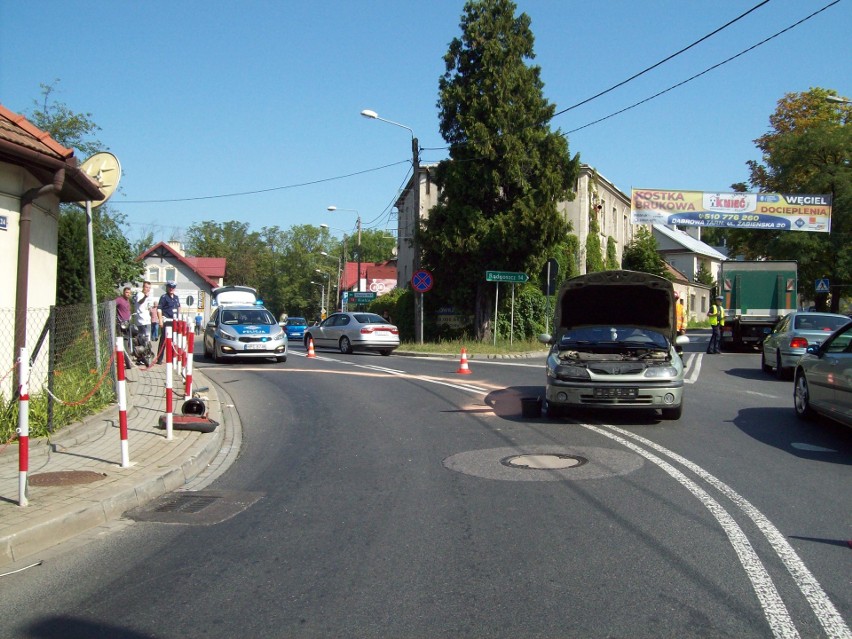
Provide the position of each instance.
(167, 311)
(716, 315)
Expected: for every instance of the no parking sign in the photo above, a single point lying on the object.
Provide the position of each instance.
(422, 281)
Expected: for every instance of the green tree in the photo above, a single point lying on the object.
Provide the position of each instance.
(807, 150)
(611, 254)
(243, 249)
(114, 256)
(641, 255)
(507, 170)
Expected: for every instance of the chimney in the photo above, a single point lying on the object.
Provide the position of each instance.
(177, 247)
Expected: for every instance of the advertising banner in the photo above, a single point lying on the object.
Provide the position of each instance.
(768, 211)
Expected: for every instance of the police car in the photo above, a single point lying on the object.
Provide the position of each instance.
(244, 330)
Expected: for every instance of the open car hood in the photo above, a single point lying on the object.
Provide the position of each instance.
(616, 298)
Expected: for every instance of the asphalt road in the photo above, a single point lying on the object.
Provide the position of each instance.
(387, 497)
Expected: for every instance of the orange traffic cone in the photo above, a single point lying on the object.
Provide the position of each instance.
(463, 369)
(311, 348)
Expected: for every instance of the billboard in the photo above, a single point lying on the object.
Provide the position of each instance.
(768, 211)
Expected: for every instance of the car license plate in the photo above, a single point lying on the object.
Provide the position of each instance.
(260, 346)
(616, 392)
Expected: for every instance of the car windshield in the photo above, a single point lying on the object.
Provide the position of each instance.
(297, 321)
(616, 336)
(243, 317)
(819, 322)
(370, 318)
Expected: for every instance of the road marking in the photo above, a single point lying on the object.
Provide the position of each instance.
(770, 600)
(825, 611)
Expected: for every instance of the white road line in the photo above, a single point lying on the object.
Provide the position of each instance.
(825, 611)
(770, 600)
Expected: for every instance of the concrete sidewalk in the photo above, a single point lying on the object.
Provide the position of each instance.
(76, 480)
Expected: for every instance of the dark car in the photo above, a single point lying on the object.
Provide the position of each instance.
(823, 378)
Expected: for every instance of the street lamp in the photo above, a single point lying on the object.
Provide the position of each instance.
(322, 294)
(326, 289)
(415, 182)
(358, 256)
(838, 99)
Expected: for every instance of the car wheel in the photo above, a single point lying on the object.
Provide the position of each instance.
(766, 367)
(552, 411)
(801, 397)
(345, 345)
(216, 356)
(386, 351)
(306, 340)
(780, 373)
(673, 413)
(281, 358)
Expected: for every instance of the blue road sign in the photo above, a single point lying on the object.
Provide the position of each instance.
(822, 285)
(422, 281)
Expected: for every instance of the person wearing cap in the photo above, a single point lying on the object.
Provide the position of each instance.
(167, 310)
(716, 315)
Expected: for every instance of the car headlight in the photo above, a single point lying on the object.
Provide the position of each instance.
(661, 371)
(227, 336)
(556, 368)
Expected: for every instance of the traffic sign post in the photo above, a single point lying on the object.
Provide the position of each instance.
(512, 278)
(421, 281)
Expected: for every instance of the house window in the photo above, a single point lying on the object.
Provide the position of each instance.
(171, 273)
(153, 274)
(703, 305)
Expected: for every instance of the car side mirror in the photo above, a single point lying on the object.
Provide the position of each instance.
(813, 349)
(682, 340)
(545, 338)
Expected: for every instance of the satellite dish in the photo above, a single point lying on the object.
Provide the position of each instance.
(105, 169)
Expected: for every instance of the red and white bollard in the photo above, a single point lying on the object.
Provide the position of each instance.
(122, 401)
(169, 397)
(190, 347)
(23, 426)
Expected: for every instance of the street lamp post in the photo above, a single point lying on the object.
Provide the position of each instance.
(342, 282)
(358, 256)
(322, 295)
(326, 289)
(415, 163)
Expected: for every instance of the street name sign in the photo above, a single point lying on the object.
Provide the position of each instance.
(505, 276)
(360, 297)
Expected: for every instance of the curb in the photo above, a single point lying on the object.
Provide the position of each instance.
(60, 524)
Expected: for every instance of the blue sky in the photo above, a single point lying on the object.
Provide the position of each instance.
(201, 100)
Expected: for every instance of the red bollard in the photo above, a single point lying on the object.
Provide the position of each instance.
(122, 401)
(190, 348)
(23, 426)
(169, 397)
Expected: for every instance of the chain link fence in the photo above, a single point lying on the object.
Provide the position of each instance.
(71, 357)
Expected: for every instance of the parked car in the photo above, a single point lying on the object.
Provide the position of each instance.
(614, 343)
(783, 347)
(823, 378)
(295, 328)
(243, 330)
(354, 331)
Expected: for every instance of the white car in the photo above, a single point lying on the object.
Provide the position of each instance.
(356, 331)
(242, 330)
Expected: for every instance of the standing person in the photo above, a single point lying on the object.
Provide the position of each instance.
(122, 317)
(198, 319)
(167, 310)
(155, 321)
(144, 302)
(680, 313)
(716, 315)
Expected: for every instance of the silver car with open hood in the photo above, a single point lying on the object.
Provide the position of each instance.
(613, 345)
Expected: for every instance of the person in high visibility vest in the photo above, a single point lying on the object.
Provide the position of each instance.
(716, 315)
(680, 314)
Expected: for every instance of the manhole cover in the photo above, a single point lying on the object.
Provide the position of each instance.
(203, 507)
(65, 478)
(547, 461)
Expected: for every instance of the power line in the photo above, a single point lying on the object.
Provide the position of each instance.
(707, 70)
(276, 188)
(664, 60)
